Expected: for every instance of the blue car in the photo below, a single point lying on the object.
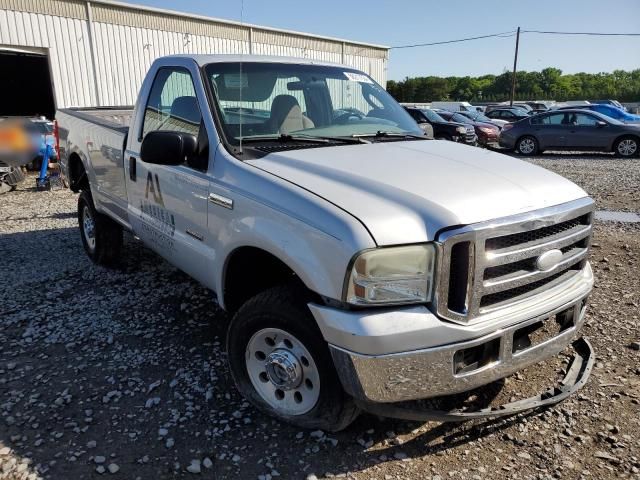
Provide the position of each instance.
(611, 112)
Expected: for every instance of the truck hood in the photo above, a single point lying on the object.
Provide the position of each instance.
(405, 192)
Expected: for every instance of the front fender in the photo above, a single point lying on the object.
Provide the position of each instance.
(313, 237)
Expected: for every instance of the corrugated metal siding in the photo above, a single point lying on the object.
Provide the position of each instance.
(157, 21)
(58, 8)
(127, 40)
(66, 42)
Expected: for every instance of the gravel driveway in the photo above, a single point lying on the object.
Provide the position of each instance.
(121, 373)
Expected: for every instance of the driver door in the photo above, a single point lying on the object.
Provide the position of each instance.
(168, 203)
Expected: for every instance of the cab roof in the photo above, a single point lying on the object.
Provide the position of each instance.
(202, 59)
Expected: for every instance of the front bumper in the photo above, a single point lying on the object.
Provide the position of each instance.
(577, 375)
(432, 372)
(410, 354)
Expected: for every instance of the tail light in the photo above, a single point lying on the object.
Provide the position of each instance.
(507, 126)
(56, 136)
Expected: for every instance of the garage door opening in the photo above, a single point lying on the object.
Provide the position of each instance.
(26, 89)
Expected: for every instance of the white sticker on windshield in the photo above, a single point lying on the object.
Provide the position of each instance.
(235, 80)
(357, 77)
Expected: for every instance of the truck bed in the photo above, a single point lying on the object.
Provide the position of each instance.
(114, 118)
(98, 136)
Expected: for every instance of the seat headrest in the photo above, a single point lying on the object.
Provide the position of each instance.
(186, 108)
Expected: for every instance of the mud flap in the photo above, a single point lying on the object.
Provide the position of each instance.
(576, 377)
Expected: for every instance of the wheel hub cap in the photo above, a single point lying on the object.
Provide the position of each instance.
(526, 146)
(627, 147)
(283, 369)
(89, 227)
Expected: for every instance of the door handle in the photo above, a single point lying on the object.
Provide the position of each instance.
(132, 168)
(221, 201)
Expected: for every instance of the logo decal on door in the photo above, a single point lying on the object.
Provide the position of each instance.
(155, 190)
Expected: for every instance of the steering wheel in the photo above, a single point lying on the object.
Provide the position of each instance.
(344, 118)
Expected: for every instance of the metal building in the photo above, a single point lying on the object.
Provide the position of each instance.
(79, 53)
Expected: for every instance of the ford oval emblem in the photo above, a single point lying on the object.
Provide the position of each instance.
(549, 260)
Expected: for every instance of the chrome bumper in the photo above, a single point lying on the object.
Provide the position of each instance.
(431, 372)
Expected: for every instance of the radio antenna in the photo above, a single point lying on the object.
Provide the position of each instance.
(240, 79)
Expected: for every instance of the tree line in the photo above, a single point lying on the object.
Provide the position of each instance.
(548, 84)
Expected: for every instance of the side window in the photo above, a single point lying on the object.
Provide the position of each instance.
(586, 120)
(415, 115)
(555, 119)
(172, 104)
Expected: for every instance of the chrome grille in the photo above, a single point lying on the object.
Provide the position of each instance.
(489, 266)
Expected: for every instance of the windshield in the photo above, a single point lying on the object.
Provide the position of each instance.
(271, 99)
(478, 117)
(432, 116)
(456, 117)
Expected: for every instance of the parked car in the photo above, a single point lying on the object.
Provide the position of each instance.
(481, 117)
(497, 106)
(443, 129)
(454, 106)
(522, 105)
(509, 114)
(571, 129)
(610, 111)
(487, 133)
(361, 264)
(615, 103)
(537, 107)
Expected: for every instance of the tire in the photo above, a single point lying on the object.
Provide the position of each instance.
(308, 394)
(627, 147)
(527, 145)
(101, 236)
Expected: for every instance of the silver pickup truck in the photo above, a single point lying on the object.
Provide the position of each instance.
(364, 266)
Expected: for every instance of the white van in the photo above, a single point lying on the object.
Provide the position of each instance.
(454, 106)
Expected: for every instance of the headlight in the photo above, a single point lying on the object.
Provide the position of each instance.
(392, 275)
(461, 130)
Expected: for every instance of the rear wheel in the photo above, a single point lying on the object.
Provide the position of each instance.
(626, 147)
(527, 145)
(282, 365)
(101, 236)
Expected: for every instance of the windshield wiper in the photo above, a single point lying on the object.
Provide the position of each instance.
(381, 134)
(286, 138)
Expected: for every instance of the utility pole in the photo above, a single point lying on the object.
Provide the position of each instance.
(515, 66)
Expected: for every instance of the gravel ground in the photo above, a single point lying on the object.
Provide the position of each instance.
(121, 373)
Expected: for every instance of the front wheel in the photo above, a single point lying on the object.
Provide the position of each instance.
(282, 365)
(101, 236)
(626, 147)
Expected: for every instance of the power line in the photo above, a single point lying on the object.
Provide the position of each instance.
(503, 35)
(600, 34)
(511, 34)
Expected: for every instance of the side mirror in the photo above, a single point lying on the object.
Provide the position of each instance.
(168, 148)
(601, 124)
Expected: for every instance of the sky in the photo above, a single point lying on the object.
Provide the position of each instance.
(393, 23)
